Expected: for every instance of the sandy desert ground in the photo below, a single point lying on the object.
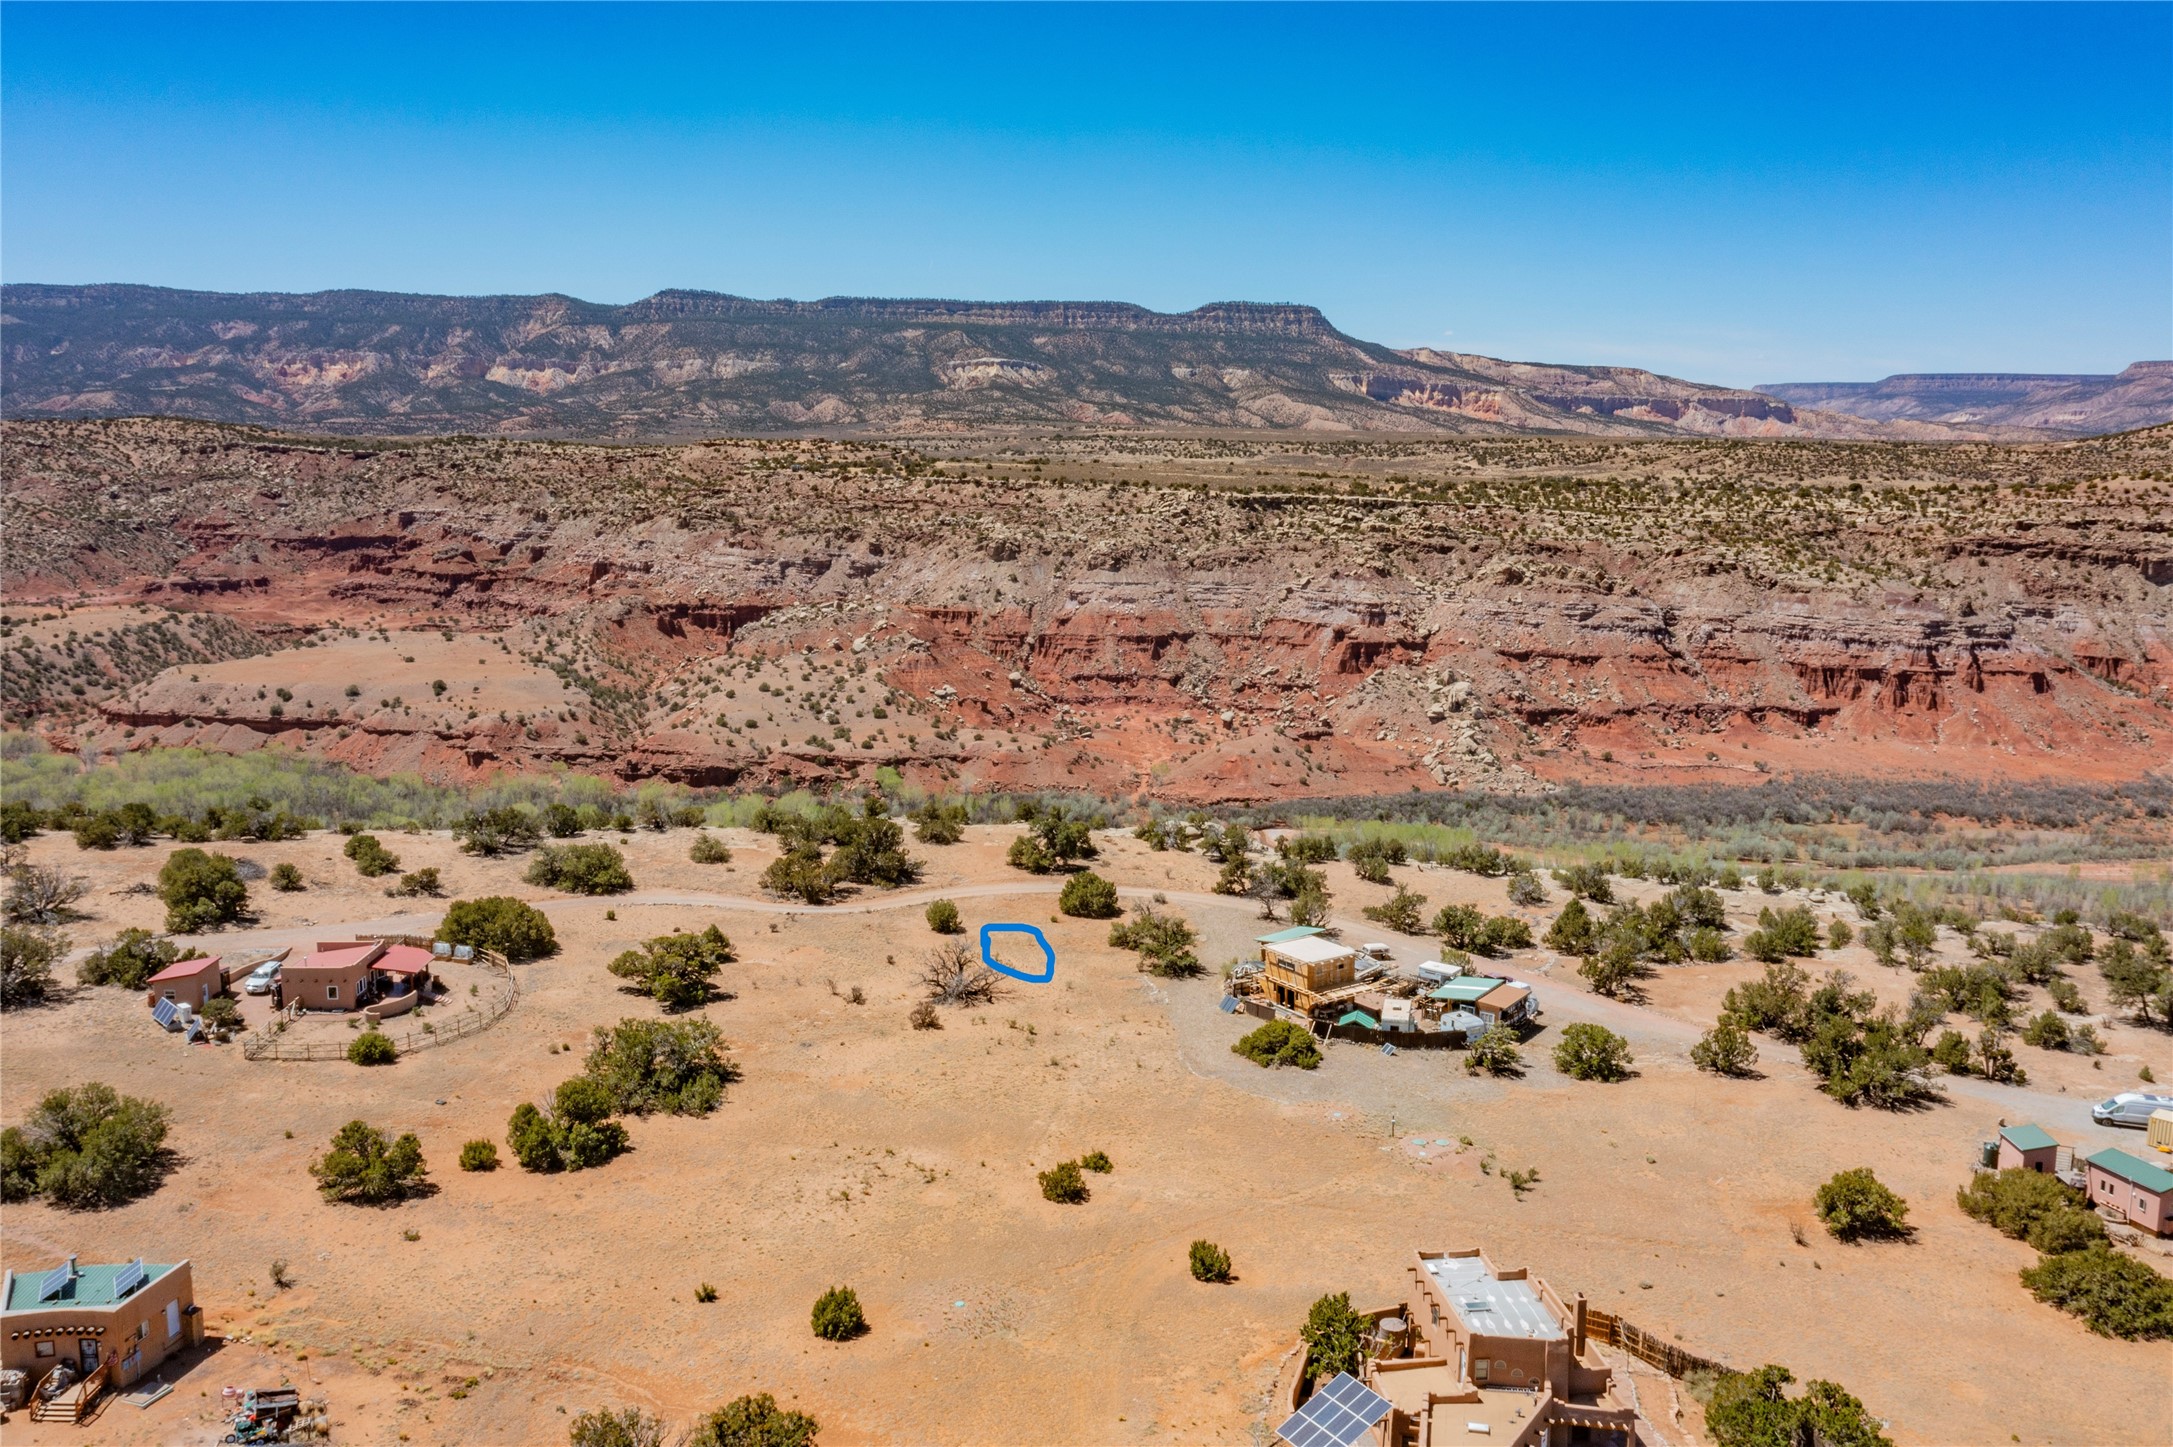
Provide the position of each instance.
(856, 1150)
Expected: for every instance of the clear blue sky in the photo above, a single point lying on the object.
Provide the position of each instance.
(1736, 194)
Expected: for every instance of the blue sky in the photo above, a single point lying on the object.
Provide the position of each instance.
(1736, 194)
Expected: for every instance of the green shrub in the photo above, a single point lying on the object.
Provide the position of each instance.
(1495, 1052)
(1279, 1043)
(754, 1421)
(1586, 881)
(562, 821)
(1097, 1162)
(1334, 1336)
(517, 930)
(2112, 1294)
(367, 1167)
(372, 1047)
(131, 960)
(287, 879)
(1503, 934)
(577, 1134)
(2016, 1200)
(705, 1293)
(27, 957)
(1064, 1184)
(1028, 853)
(1726, 1049)
(1855, 1206)
(1751, 1409)
(675, 1066)
(799, 873)
(580, 869)
(1592, 1052)
(678, 971)
(1401, 911)
(221, 1013)
(420, 883)
(501, 830)
(837, 1315)
(1163, 943)
(935, 823)
(1783, 934)
(86, 1147)
(630, 1427)
(371, 859)
(1088, 896)
(1526, 890)
(1307, 848)
(1571, 932)
(942, 917)
(1950, 1052)
(2047, 1032)
(709, 849)
(1209, 1262)
(201, 891)
(479, 1156)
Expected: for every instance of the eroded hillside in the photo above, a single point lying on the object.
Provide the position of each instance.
(1206, 618)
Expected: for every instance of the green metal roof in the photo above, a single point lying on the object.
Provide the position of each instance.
(1359, 1017)
(1468, 988)
(2027, 1137)
(92, 1286)
(2133, 1169)
(1285, 936)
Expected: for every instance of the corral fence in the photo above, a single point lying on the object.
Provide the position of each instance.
(271, 1043)
(1612, 1330)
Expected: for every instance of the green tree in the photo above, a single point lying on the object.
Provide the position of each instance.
(799, 873)
(1726, 1049)
(1592, 1052)
(1209, 1262)
(580, 869)
(85, 1147)
(1334, 1337)
(837, 1315)
(939, 823)
(707, 848)
(754, 1421)
(1571, 932)
(1461, 926)
(1782, 934)
(2113, 1294)
(27, 957)
(1163, 942)
(1279, 1043)
(367, 1167)
(1400, 912)
(1856, 1206)
(1586, 881)
(1776, 1004)
(1088, 896)
(1494, 1052)
(499, 922)
(678, 1067)
(1753, 1409)
(371, 859)
(201, 891)
(678, 971)
(1030, 854)
(129, 962)
(942, 917)
(2018, 1200)
(504, 830)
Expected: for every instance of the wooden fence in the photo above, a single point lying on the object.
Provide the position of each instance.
(271, 1043)
(1606, 1327)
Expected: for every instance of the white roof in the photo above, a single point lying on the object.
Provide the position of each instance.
(1490, 1306)
(1312, 951)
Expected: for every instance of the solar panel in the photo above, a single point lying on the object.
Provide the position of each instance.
(1343, 1410)
(128, 1278)
(1229, 1004)
(55, 1282)
(163, 1012)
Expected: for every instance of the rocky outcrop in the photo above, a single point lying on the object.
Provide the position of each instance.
(1451, 622)
(2139, 396)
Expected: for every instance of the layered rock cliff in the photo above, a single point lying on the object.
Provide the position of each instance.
(1210, 619)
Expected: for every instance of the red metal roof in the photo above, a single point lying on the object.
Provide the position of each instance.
(185, 969)
(337, 956)
(403, 960)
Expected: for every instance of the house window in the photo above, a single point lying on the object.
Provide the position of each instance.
(45, 1348)
(331, 992)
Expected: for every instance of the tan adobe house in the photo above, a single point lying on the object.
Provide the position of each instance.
(187, 982)
(112, 1325)
(1478, 1354)
(2028, 1147)
(378, 975)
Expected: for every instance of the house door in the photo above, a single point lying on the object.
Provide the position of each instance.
(88, 1352)
(173, 1320)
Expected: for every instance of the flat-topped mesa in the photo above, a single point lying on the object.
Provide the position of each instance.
(1222, 317)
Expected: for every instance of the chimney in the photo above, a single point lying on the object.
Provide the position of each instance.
(1578, 1349)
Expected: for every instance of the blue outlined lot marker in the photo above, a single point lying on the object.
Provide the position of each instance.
(1048, 956)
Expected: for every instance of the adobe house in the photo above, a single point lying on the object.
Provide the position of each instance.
(187, 982)
(1301, 965)
(1479, 1354)
(330, 977)
(2131, 1189)
(125, 1318)
(2028, 1147)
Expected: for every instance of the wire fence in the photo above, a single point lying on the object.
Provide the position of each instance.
(271, 1043)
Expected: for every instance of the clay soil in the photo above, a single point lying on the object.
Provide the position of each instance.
(856, 1150)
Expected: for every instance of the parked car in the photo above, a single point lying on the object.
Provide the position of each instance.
(2130, 1108)
(261, 978)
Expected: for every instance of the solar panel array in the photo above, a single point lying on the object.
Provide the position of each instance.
(128, 1278)
(163, 1012)
(1342, 1411)
(56, 1281)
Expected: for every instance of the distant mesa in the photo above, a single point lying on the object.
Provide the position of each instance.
(2080, 403)
(685, 364)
